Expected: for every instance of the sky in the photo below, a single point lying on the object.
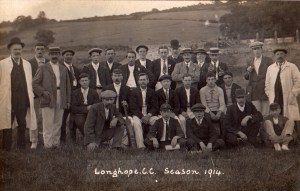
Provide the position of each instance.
(74, 9)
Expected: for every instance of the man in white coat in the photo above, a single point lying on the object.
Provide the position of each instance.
(16, 97)
(283, 85)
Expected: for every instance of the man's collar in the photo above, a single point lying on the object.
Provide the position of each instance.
(96, 63)
(84, 89)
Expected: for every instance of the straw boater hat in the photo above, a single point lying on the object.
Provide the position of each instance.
(186, 50)
(99, 50)
(54, 49)
(68, 50)
(214, 50)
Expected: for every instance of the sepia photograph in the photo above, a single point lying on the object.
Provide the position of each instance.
(150, 95)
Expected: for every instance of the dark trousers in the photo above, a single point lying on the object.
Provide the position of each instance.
(149, 143)
(20, 115)
(113, 133)
(76, 122)
(250, 130)
(63, 133)
(193, 145)
(219, 125)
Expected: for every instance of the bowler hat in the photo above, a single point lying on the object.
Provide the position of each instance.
(99, 50)
(68, 50)
(165, 77)
(186, 50)
(280, 49)
(15, 40)
(240, 93)
(256, 44)
(175, 44)
(141, 46)
(165, 107)
(198, 107)
(214, 50)
(108, 94)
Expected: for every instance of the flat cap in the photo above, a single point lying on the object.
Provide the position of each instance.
(198, 107)
(108, 94)
(165, 106)
(165, 77)
(256, 44)
(54, 49)
(280, 49)
(214, 50)
(141, 46)
(68, 50)
(99, 50)
(240, 93)
(200, 50)
(186, 50)
(274, 106)
(15, 40)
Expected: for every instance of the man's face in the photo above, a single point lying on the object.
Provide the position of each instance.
(187, 57)
(165, 114)
(16, 50)
(280, 56)
(201, 57)
(164, 53)
(131, 59)
(142, 53)
(175, 51)
(257, 51)
(187, 82)
(241, 100)
(199, 114)
(108, 102)
(68, 57)
(166, 83)
(95, 56)
(117, 78)
(275, 113)
(143, 81)
(84, 82)
(39, 51)
(214, 57)
(110, 55)
(54, 56)
(211, 81)
(227, 80)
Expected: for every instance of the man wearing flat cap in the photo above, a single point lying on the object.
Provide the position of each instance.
(110, 63)
(201, 133)
(217, 67)
(256, 71)
(16, 97)
(165, 131)
(74, 73)
(52, 84)
(99, 75)
(283, 86)
(163, 66)
(175, 51)
(186, 67)
(103, 123)
(242, 121)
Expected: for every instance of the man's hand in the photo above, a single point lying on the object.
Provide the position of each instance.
(242, 135)
(155, 143)
(245, 120)
(174, 141)
(113, 122)
(146, 119)
(92, 146)
(218, 115)
(184, 114)
(250, 69)
(213, 116)
(209, 147)
(202, 146)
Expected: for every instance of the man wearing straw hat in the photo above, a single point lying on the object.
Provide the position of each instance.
(216, 66)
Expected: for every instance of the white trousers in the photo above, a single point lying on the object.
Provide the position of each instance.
(182, 120)
(262, 106)
(52, 119)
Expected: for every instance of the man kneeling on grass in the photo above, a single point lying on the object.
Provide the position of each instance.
(165, 131)
(277, 129)
(201, 132)
(103, 123)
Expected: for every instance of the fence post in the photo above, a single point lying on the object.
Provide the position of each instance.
(297, 36)
(275, 37)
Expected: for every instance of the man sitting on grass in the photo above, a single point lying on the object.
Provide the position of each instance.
(165, 131)
(277, 129)
(201, 132)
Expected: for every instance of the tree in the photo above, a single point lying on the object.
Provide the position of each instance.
(45, 36)
(41, 18)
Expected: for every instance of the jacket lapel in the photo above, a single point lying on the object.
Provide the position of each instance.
(48, 66)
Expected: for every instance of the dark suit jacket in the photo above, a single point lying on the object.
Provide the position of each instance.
(124, 96)
(222, 66)
(203, 73)
(77, 101)
(77, 73)
(35, 65)
(95, 122)
(234, 116)
(137, 70)
(233, 88)
(148, 64)
(103, 73)
(177, 60)
(205, 132)
(156, 69)
(173, 99)
(114, 66)
(194, 98)
(158, 127)
(256, 85)
(45, 81)
(136, 102)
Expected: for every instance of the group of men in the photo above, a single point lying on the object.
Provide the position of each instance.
(171, 102)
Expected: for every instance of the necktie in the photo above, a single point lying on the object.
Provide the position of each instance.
(164, 67)
(73, 75)
(167, 96)
(278, 90)
(167, 132)
(187, 68)
(85, 92)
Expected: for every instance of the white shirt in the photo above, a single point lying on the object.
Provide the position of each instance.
(40, 60)
(188, 64)
(69, 68)
(85, 94)
(275, 120)
(200, 64)
(257, 62)
(163, 137)
(131, 80)
(144, 108)
(106, 113)
(109, 65)
(55, 69)
(240, 107)
(162, 62)
(117, 88)
(143, 63)
(188, 93)
(216, 65)
(96, 66)
(199, 121)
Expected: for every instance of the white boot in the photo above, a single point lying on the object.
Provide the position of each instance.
(285, 147)
(277, 147)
